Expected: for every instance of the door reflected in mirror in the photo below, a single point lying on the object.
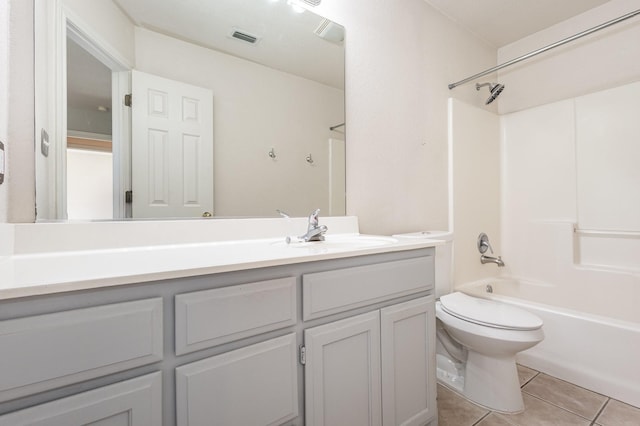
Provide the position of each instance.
(262, 92)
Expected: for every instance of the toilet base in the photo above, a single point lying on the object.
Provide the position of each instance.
(487, 381)
(493, 382)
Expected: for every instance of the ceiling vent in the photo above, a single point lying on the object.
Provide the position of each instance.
(330, 31)
(311, 2)
(244, 36)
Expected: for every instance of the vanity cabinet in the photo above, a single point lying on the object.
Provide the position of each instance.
(376, 368)
(342, 372)
(229, 348)
(42, 352)
(408, 350)
(135, 402)
(254, 385)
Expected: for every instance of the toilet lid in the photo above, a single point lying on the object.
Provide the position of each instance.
(488, 312)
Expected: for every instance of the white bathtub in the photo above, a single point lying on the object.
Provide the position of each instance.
(597, 352)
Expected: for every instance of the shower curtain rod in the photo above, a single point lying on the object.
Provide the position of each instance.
(544, 49)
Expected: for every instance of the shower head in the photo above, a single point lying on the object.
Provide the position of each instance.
(495, 88)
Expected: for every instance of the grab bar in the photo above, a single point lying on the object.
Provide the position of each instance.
(607, 232)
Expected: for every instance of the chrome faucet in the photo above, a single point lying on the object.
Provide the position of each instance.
(490, 259)
(483, 245)
(315, 232)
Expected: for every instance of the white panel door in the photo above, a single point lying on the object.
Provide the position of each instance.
(171, 148)
(408, 362)
(342, 372)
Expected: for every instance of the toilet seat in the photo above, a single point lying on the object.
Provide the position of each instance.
(489, 313)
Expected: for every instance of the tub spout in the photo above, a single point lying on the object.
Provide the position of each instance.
(490, 259)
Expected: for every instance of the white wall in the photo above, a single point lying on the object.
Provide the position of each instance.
(549, 175)
(4, 85)
(475, 178)
(256, 108)
(109, 25)
(608, 58)
(570, 157)
(400, 57)
(17, 193)
(90, 185)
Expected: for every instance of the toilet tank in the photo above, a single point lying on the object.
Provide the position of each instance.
(443, 260)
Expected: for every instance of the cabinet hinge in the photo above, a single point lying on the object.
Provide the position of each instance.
(127, 100)
(303, 355)
(128, 197)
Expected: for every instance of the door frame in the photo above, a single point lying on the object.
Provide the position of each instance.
(68, 24)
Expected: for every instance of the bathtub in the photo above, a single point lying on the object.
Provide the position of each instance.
(597, 352)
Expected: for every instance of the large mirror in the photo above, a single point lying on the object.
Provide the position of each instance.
(236, 109)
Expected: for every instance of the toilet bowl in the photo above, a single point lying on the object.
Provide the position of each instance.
(478, 340)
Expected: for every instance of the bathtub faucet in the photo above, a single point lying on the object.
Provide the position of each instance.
(490, 259)
(484, 245)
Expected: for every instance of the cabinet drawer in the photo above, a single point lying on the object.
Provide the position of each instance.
(48, 351)
(212, 317)
(255, 385)
(330, 292)
(135, 402)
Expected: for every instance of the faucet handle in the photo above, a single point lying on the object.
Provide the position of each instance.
(483, 243)
(313, 218)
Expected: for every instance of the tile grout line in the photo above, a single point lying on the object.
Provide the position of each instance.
(481, 418)
(562, 408)
(572, 384)
(601, 410)
(532, 377)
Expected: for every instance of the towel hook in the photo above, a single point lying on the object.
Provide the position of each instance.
(272, 154)
(309, 159)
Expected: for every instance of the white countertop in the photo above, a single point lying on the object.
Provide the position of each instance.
(79, 265)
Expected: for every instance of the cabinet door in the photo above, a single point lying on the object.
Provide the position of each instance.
(342, 372)
(135, 402)
(408, 362)
(253, 386)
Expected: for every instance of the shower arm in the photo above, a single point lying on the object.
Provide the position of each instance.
(544, 49)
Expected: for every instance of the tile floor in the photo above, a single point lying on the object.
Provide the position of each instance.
(547, 400)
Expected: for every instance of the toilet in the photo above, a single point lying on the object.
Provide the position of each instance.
(478, 339)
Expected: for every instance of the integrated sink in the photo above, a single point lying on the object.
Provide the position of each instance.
(338, 242)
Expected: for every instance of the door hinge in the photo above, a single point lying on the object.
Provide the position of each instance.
(303, 355)
(127, 100)
(128, 197)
